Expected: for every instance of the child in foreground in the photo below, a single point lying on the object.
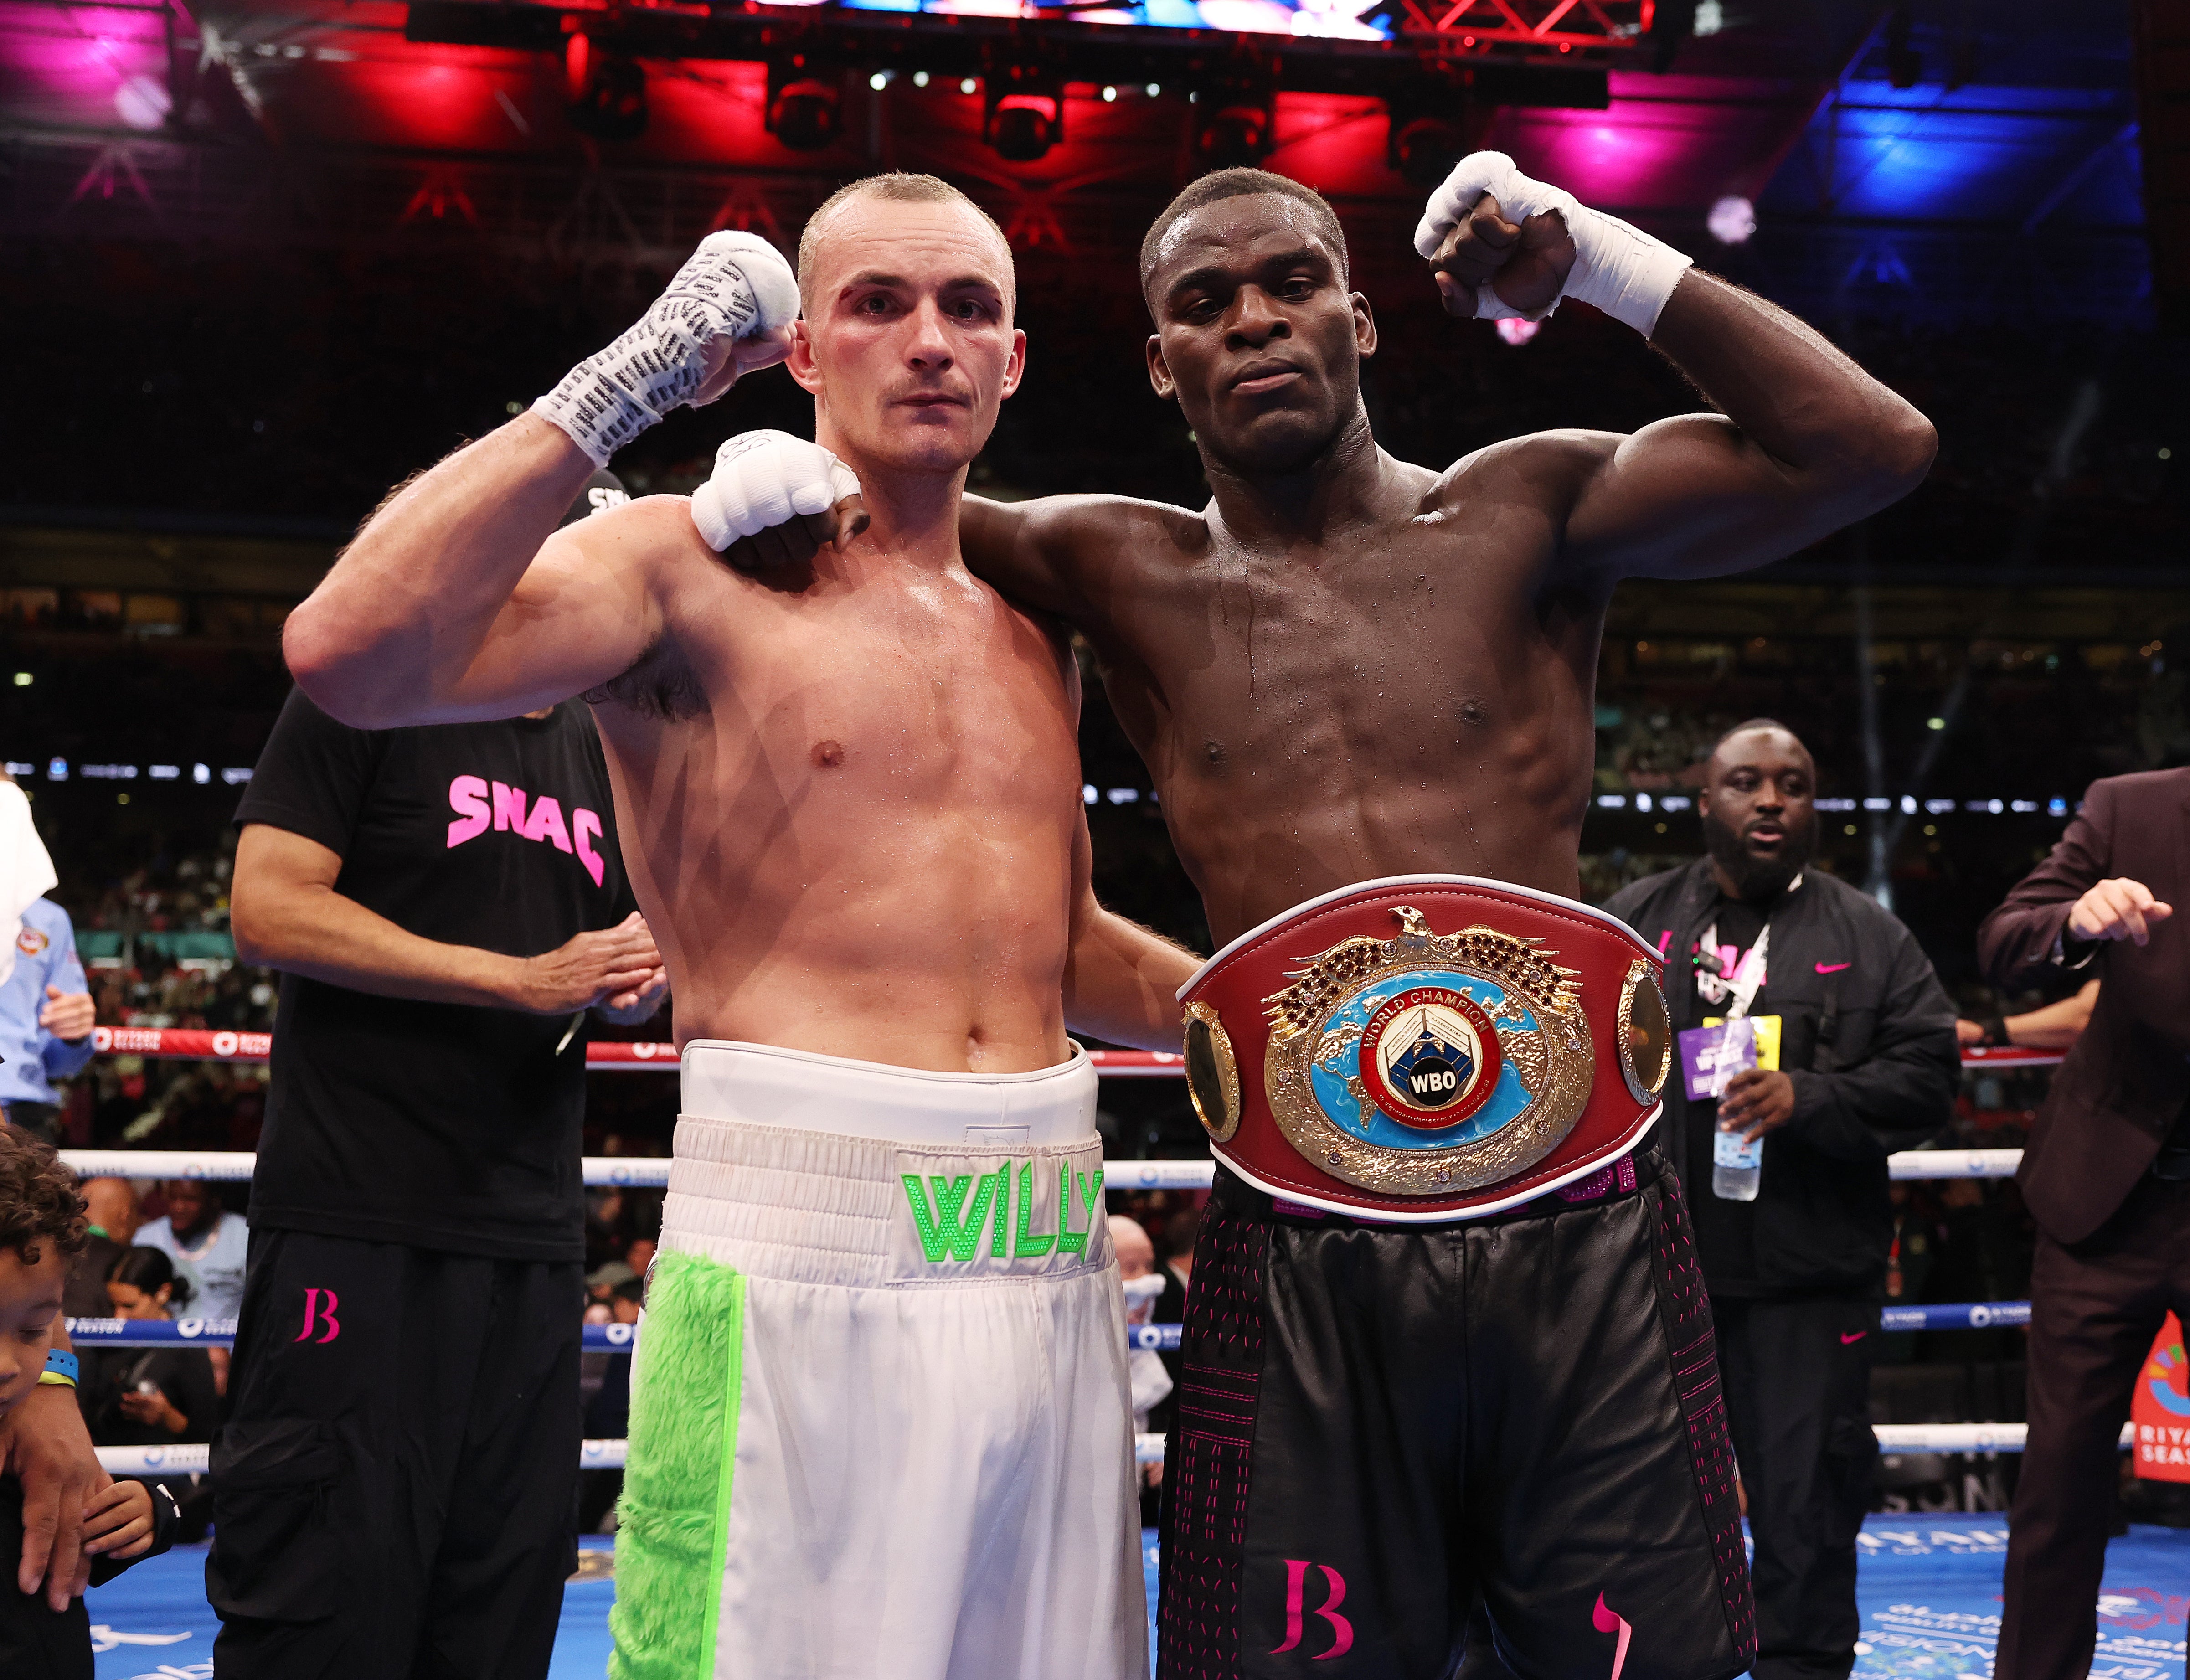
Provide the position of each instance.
(41, 1229)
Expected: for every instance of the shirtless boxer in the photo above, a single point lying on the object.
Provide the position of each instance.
(1445, 1341)
(880, 1422)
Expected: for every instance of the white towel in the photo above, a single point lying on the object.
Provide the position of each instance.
(26, 873)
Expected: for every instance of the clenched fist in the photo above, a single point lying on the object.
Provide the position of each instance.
(1525, 263)
(773, 500)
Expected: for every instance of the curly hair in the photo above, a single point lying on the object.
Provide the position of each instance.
(39, 1198)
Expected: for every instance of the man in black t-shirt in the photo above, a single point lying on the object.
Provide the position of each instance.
(394, 1489)
(1856, 1057)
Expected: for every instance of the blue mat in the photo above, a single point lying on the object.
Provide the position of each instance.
(1929, 1589)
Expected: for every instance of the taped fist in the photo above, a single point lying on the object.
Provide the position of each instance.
(728, 312)
(1498, 242)
(773, 500)
(1504, 247)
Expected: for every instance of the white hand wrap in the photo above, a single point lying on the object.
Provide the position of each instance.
(736, 283)
(1618, 266)
(761, 479)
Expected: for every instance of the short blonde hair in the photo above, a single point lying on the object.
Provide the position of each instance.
(898, 187)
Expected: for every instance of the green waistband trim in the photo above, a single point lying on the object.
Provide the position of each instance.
(674, 1517)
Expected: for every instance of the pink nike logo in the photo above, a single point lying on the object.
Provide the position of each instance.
(1833, 968)
(1845, 1339)
(1606, 1620)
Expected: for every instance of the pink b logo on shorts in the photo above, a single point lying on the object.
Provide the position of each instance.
(322, 1303)
(1341, 1630)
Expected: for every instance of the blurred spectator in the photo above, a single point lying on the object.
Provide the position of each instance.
(2054, 1027)
(1152, 1382)
(109, 1204)
(601, 1282)
(208, 1245)
(159, 1395)
(639, 1256)
(1180, 1231)
(150, 1397)
(608, 1411)
(46, 1018)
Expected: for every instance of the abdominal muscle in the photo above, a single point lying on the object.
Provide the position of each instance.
(907, 907)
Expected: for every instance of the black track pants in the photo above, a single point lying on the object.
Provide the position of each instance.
(1798, 1396)
(394, 1491)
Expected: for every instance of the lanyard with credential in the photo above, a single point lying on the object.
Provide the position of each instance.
(1738, 989)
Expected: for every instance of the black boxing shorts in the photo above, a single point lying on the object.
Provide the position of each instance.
(1380, 1426)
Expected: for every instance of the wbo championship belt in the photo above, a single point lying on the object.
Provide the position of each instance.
(1427, 1048)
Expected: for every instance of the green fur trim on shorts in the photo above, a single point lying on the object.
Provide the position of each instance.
(673, 1519)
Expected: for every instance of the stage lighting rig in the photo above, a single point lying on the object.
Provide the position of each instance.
(805, 108)
(1026, 111)
(605, 93)
(1234, 123)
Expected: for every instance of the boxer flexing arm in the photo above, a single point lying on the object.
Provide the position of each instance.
(1808, 441)
(448, 607)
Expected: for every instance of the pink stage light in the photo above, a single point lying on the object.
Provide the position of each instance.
(142, 102)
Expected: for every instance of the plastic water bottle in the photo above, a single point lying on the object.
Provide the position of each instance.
(1737, 1164)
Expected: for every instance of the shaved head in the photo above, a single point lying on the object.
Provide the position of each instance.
(897, 187)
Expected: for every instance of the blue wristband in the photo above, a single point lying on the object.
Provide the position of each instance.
(63, 1363)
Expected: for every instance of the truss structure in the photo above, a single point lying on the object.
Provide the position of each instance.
(1531, 28)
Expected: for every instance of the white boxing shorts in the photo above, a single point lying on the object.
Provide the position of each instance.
(880, 1420)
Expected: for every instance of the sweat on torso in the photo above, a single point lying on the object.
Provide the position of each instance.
(1417, 701)
(860, 843)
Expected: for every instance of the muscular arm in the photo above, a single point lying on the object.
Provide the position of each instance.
(284, 913)
(1807, 443)
(1121, 980)
(1057, 554)
(448, 607)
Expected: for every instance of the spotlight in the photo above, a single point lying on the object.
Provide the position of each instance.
(606, 92)
(1232, 127)
(1732, 221)
(879, 80)
(919, 78)
(1025, 116)
(967, 84)
(805, 108)
(1155, 90)
(142, 102)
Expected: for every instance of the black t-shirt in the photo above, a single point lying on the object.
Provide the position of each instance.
(1726, 1230)
(439, 1125)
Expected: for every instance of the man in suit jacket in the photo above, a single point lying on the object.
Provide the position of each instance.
(2107, 1177)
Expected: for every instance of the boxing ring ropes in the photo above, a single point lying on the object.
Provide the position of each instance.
(652, 1172)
